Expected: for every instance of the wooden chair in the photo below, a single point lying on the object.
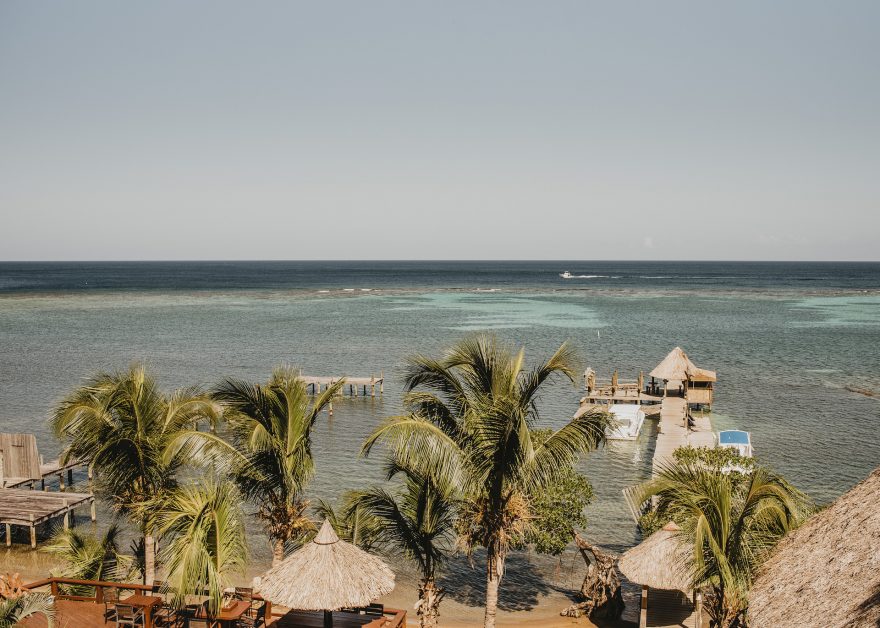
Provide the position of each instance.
(126, 615)
(111, 597)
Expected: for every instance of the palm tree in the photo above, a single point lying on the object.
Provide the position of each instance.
(471, 417)
(271, 450)
(17, 604)
(134, 436)
(206, 540)
(419, 521)
(88, 557)
(732, 520)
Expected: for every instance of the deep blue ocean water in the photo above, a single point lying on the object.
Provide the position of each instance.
(785, 338)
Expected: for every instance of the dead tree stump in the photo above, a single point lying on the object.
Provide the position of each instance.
(601, 586)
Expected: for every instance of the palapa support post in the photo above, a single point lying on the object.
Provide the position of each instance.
(8, 535)
(33, 533)
(328, 619)
(643, 613)
(381, 383)
(372, 385)
(698, 609)
(66, 514)
(93, 510)
(330, 408)
(70, 476)
(61, 480)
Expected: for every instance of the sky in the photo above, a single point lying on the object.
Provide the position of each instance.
(444, 130)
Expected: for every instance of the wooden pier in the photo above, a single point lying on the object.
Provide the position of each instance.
(674, 431)
(316, 384)
(23, 507)
(47, 470)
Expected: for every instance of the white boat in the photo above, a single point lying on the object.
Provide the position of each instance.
(565, 275)
(628, 420)
(736, 439)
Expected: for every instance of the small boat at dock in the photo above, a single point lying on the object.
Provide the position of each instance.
(628, 420)
(736, 439)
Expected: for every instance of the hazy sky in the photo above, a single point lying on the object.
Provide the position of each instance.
(507, 130)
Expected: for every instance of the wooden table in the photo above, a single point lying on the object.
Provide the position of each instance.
(227, 615)
(146, 602)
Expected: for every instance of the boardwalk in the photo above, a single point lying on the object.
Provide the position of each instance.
(674, 433)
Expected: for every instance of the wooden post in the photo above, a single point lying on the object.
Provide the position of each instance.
(2, 477)
(33, 533)
(43, 483)
(61, 480)
(54, 587)
(372, 386)
(91, 473)
(381, 383)
(698, 609)
(94, 513)
(643, 613)
(8, 535)
(99, 594)
(66, 514)
(70, 477)
(330, 408)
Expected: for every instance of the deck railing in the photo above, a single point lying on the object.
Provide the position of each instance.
(391, 618)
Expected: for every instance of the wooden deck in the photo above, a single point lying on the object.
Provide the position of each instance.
(674, 432)
(23, 507)
(47, 469)
(75, 614)
(317, 383)
(87, 609)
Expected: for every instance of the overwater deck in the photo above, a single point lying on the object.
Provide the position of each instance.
(317, 383)
(28, 508)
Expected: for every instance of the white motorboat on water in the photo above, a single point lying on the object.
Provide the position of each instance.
(628, 420)
(566, 275)
(736, 439)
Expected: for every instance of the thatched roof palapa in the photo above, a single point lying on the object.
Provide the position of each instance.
(327, 574)
(662, 561)
(827, 572)
(677, 366)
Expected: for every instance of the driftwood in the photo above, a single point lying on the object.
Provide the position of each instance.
(862, 391)
(601, 586)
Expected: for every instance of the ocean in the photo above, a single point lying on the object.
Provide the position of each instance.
(785, 338)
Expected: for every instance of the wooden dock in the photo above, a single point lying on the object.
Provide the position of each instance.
(674, 432)
(316, 384)
(47, 470)
(23, 507)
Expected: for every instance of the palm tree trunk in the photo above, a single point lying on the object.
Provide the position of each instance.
(494, 571)
(277, 551)
(429, 603)
(149, 558)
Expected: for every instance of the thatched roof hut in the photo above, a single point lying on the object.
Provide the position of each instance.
(826, 573)
(677, 366)
(325, 575)
(662, 561)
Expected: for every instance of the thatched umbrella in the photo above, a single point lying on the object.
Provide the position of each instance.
(326, 575)
(827, 572)
(662, 561)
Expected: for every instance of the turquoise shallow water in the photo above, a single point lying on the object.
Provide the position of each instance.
(783, 353)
